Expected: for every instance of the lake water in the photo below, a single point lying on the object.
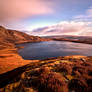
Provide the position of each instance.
(43, 50)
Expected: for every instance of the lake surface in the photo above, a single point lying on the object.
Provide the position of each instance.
(43, 50)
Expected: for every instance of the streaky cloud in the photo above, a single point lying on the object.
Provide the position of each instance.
(66, 28)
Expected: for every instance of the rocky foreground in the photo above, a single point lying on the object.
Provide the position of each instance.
(62, 74)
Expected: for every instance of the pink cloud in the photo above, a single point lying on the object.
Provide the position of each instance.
(66, 28)
(11, 10)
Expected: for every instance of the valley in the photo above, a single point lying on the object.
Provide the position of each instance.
(71, 73)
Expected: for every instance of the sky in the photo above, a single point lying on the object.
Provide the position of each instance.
(32, 14)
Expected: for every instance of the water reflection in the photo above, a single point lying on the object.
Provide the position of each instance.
(44, 50)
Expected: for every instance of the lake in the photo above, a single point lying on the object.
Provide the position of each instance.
(43, 50)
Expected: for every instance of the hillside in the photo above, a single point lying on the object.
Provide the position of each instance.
(11, 37)
(9, 58)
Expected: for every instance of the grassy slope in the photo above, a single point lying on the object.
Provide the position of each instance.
(9, 60)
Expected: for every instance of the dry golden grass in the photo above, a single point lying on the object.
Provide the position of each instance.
(9, 60)
(75, 56)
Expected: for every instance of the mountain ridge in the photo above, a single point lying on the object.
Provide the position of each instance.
(12, 37)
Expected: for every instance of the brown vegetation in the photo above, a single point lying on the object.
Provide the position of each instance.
(62, 74)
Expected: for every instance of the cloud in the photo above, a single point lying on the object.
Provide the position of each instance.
(85, 17)
(67, 28)
(15, 10)
(77, 28)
